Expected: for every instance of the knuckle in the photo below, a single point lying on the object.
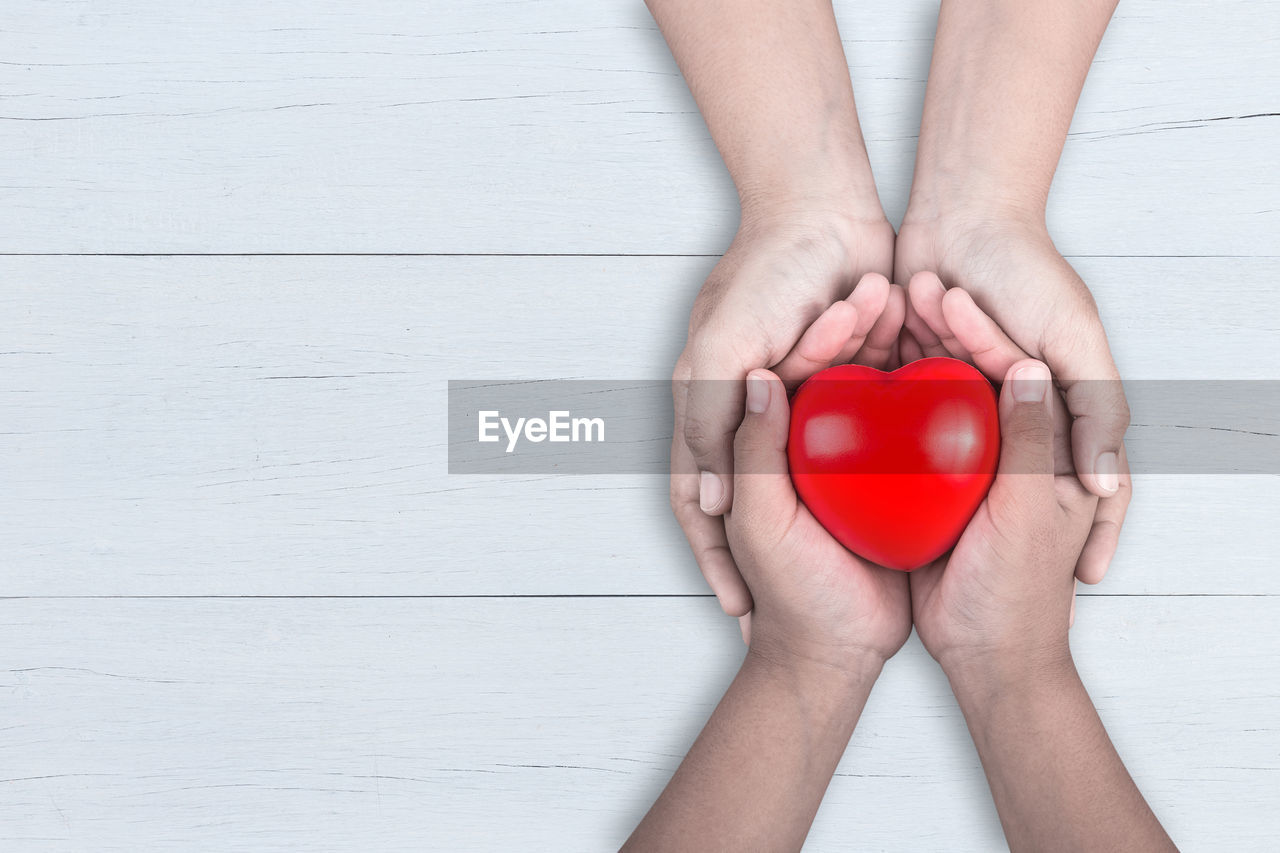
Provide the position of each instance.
(726, 346)
(683, 369)
(1121, 414)
(679, 387)
(711, 348)
(698, 438)
(1124, 494)
(699, 315)
(689, 515)
(684, 501)
(706, 307)
(682, 495)
(701, 350)
(677, 499)
(1104, 403)
(1033, 429)
(1088, 305)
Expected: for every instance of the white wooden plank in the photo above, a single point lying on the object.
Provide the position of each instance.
(550, 724)
(553, 126)
(276, 425)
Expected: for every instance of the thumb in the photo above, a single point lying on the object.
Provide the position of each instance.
(1025, 475)
(763, 494)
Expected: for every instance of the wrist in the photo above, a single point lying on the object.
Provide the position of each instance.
(981, 676)
(955, 239)
(826, 682)
(846, 201)
(953, 213)
(942, 191)
(851, 241)
(836, 182)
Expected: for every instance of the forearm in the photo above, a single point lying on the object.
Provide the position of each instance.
(1055, 776)
(771, 81)
(1003, 85)
(754, 778)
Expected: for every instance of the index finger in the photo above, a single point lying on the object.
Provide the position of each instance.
(706, 534)
(712, 413)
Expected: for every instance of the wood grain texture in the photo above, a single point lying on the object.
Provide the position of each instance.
(469, 725)
(554, 126)
(191, 426)
(265, 425)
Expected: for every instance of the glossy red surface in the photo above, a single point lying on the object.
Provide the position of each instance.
(895, 464)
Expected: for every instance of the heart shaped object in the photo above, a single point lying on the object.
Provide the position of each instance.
(895, 464)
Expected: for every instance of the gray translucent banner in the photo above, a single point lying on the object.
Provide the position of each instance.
(575, 426)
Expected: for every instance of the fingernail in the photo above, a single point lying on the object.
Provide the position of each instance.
(1107, 471)
(941, 286)
(710, 491)
(757, 393)
(1030, 383)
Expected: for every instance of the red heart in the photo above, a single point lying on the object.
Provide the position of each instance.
(895, 464)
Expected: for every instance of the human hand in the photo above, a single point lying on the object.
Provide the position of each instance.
(1013, 271)
(814, 600)
(782, 271)
(995, 615)
(1006, 591)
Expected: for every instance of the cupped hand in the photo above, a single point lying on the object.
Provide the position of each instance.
(781, 274)
(814, 600)
(949, 322)
(1007, 587)
(1006, 590)
(1013, 271)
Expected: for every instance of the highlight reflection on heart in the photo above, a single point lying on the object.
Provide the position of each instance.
(895, 464)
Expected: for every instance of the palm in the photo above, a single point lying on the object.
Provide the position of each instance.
(947, 590)
(858, 603)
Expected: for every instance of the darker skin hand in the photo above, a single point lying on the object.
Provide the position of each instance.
(995, 614)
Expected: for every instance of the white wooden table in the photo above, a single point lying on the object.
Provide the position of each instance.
(243, 247)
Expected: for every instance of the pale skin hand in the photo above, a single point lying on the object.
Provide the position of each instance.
(1004, 83)
(823, 625)
(772, 84)
(995, 614)
(863, 327)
